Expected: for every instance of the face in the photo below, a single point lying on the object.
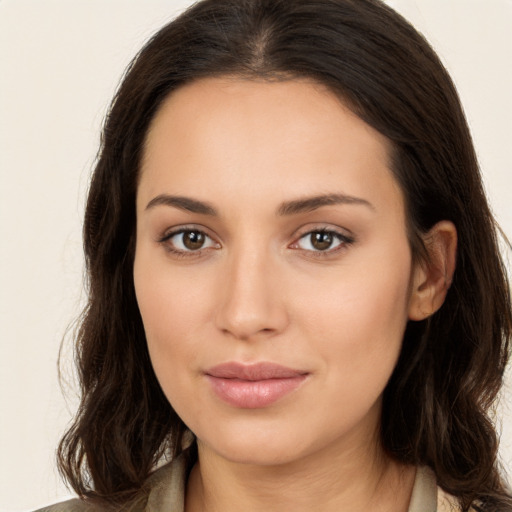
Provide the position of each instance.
(272, 267)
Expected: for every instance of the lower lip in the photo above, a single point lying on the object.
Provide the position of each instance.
(248, 394)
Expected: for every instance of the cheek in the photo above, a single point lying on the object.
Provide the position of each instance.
(358, 330)
(358, 317)
(171, 298)
(173, 305)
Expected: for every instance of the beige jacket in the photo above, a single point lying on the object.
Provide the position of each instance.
(167, 494)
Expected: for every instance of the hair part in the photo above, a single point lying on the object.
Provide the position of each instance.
(437, 402)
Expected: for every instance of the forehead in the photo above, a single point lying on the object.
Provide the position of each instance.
(250, 104)
(230, 133)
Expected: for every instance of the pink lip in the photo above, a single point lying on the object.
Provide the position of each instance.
(253, 386)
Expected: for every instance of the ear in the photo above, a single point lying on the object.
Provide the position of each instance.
(431, 279)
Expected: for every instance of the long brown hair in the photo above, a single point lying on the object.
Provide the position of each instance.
(437, 402)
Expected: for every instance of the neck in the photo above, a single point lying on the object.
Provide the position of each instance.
(356, 479)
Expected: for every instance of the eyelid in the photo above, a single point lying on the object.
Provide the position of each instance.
(345, 236)
(180, 228)
(312, 227)
(169, 233)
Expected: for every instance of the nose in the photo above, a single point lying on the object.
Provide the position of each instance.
(252, 303)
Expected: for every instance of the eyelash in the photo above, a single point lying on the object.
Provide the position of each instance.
(180, 253)
(343, 239)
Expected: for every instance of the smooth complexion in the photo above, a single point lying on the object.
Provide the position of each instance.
(275, 280)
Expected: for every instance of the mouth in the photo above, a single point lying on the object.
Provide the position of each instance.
(253, 386)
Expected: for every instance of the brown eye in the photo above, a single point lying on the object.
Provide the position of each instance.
(193, 240)
(188, 240)
(321, 240)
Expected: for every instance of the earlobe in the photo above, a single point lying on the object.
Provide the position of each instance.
(431, 279)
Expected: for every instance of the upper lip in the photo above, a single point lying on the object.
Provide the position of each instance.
(253, 372)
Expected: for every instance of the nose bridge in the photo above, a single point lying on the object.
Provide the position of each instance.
(251, 302)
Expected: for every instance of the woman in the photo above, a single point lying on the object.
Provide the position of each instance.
(296, 293)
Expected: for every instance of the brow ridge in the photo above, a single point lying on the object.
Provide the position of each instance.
(308, 204)
(287, 208)
(183, 203)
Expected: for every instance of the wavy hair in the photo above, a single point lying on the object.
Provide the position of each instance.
(437, 404)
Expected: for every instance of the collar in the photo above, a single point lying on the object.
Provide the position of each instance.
(167, 490)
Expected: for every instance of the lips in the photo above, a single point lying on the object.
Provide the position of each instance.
(253, 386)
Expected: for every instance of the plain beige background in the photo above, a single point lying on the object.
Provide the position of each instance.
(60, 62)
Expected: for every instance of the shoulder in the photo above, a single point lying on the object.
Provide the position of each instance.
(166, 486)
(428, 496)
(448, 503)
(75, 505)
(78, 505)
(164, 490)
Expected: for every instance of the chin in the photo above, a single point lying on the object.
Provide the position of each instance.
(257, 455)
(265, 447)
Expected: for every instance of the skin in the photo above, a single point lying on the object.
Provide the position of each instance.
(259, 290)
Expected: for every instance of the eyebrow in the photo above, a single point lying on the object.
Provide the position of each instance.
(309, 204)
(183, 203)
(287, 208)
